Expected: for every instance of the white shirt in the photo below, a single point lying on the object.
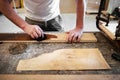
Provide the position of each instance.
(42, 10)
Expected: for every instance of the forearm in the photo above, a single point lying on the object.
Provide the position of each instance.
(8, 11)
(80, 14)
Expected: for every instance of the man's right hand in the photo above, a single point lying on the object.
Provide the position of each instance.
(33, 30)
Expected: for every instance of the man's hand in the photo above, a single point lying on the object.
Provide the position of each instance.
(75, 35)
(33, 30)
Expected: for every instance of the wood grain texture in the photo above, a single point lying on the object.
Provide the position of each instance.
(109, 33)
(51, 37)
(59, 77)
(66, 59)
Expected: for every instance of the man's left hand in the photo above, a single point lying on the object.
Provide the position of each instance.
(75, 35)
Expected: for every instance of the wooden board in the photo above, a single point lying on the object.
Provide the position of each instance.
(66, 59)
(92, 6)
(59, 77)
(106, 14)
(109, 33)
(51, 37)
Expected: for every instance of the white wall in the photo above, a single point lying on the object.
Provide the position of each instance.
(67, 6)
(112, 5)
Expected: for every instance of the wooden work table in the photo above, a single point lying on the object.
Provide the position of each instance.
(12, 52)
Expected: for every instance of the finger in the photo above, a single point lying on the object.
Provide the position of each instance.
(41, 32)
(74, 39)
(70, 37)
(38, 31)
(79, 37)
(35, 35)
(32, 36)
(42, 35)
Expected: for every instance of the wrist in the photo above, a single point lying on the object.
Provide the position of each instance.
(23, 26)
(79, 27)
